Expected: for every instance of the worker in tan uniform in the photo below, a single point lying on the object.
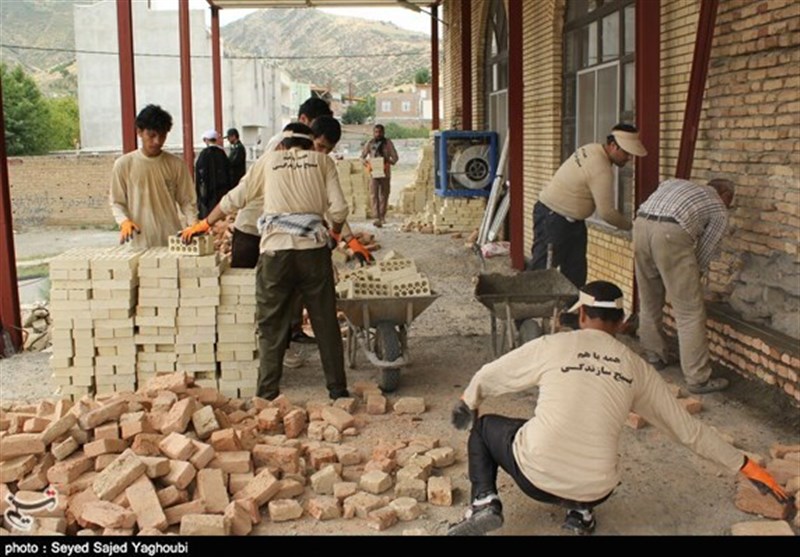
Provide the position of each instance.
(583, 185)
(302, 199)
(149, 184)
(568, 453)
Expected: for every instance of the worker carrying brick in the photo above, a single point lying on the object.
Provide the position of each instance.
(379, 155)
(149, 184)
(567, 453)
(301, 194)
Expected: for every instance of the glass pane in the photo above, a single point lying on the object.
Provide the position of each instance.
(571, 52)
(569, 96)
(586, 109)
(591, 48)
(630, 29)
(629, 94)
(607, 100)
(611, 37)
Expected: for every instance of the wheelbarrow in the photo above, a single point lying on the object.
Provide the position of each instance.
(525, 305)
(380, 327)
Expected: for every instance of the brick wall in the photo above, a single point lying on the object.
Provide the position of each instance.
(60, 190)
(451, 69)
(541, 73)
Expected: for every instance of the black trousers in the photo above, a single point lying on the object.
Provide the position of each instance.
(490, 446)
(569, 240)
(244, 249)
(280, 276)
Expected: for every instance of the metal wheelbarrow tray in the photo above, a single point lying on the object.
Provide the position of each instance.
(516, 298)
(380, 326)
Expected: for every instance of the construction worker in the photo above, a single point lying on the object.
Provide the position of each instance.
(301, 194)
(583, 185)
(379, 148)
(149, 184)
(567, 453)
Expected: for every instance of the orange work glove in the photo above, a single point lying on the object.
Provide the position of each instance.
(763, 480)
(126, 230)
(200, 227)
(359, 251)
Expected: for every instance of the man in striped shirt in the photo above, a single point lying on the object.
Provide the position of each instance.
(675, 235)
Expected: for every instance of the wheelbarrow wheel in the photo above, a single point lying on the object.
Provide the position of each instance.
(388, 349)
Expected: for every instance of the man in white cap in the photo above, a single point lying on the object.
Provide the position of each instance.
(568, 453)
(212, 174)
(583, 185)
(675, 235)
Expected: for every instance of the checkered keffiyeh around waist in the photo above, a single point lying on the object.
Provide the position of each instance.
(305, 225)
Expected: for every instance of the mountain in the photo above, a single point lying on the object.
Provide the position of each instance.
(324, 49)
(315, 47)
(47, 28)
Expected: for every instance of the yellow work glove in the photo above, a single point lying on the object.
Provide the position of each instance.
(126, 230)
(763, 480)
(196, 229)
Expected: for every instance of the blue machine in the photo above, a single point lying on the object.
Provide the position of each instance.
(466, 163)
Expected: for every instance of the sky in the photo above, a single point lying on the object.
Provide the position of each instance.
(403, 18)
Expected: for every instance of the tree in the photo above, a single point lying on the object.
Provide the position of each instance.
(360, 112)
(26, 113)
(422, 76)
(64, 123)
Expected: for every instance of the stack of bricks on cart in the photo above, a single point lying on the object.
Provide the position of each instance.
(448, 214)
(393, 276)
(176, 458)
(237, 346)
(92, 301)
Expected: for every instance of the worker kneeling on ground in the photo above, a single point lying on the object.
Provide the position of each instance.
(567, 453)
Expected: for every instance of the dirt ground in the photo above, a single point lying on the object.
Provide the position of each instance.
(666, 490)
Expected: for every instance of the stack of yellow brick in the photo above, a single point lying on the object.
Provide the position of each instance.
(92, 301)
(415, 196)
(355, 186)
(448, 214)
(237, 346)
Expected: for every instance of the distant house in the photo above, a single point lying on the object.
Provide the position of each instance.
(409, 105)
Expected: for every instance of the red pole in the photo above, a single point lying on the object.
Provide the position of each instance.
(516, 135)
(466, 64)
(186, 84)
(216, 66)
(10, 318)
(435, 65)
(697, 86)
(127, 83)
(648, 95)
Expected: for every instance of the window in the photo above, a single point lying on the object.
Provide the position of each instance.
(386, 106)
(406, 106)
(496, 69)
(599, 79)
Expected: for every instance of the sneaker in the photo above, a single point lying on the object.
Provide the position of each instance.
(656, 362)
(576, 521)
(377, 223)
(484, 515)
(293, 360)
(710, 386)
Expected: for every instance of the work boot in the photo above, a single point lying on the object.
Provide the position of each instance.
(339, 393)
(301, 337)
(579, 521)
(484, 515)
